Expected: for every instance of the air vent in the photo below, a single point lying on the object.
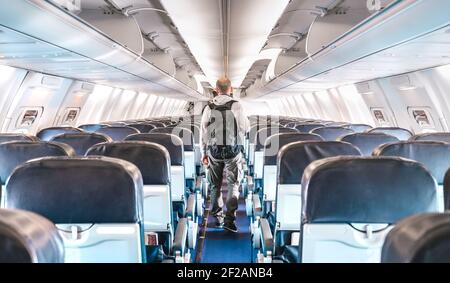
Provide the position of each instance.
(88, 87)
(401, 81)
(363, 87)
(52, 82)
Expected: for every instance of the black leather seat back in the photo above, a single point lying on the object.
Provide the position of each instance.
(366, 190)
(400, 133)
(81, 142)
(153, 160)
(142, 127)
(16, 137)
(439, 137)
(12, 154)
(78, 190)
(184, 134)
(435, 156)
(307, 127)
(275, 142)
(156, 124)
(118, 133)
(91, 128)
(420, 238)
(331, 133)
(295, 157)
(172, 143)
(265, 133)
(48, 133)
(26, 237)
(368, 142)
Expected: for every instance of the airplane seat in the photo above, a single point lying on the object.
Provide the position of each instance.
(91, 128)
(174, 145)
(439, 137)
(26, 237)
(359, 128)
(331, 133)
(419, 238)
(349, 204)
(272, 146)
(153, 161)
(8, 137)
(13, 154)
(400, 133)
(435, 156)
(367, 142)
(142, 127)
(292, 160)
(81, 142)
(308, 127)
(95, 202)
(48, 133)
(156, 124)
(117, 133)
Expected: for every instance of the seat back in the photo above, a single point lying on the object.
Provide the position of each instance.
(91, 128)
(271, 148)
(359, 128)
(153, 161)
(95, 202)
(81, 142)
(26, 237)
(331, 133)
(174, 146)
(292, 161)
(142, 127)
(368, 142)
(439, 137)
(307, 127)
(435, 156)
(16, 137)
(349, 204)
(48, 133)
(117, 133)
(400, 133)
(12, 154)
(420, 238)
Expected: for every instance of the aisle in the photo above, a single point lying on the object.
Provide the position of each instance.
(221, 246)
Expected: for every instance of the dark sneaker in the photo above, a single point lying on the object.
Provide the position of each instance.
(218, 224)
(230, 227)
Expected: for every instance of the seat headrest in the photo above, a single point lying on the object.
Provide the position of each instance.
(359, 128)
(306, 128)
(293, 158)
(142, 127)
(26, 237)
(81, 142)
(184, 134)
(400, 133)
(91, 128)
(276, 142)
(172, 143)
(331, 133)
(265, 133)
(439, 137)
(78, 190)
(152, 159)
(117, 133)
(13, 154)
(366, 190)
(48, 133)
(157, 124)
(368, 142)
(16, 137)
(194, 129)
(435, 156)
(420, 238)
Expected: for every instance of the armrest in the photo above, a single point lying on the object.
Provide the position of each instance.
(257, 207)
(190, 206)
(179, 242)
(266, 235)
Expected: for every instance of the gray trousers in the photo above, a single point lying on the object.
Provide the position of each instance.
(217, 169)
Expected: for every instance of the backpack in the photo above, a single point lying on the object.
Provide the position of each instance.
(223, 131)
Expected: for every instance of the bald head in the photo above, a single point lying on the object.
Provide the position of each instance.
(223, 86)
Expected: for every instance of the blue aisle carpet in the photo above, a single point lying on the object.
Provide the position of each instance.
(222, 246)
